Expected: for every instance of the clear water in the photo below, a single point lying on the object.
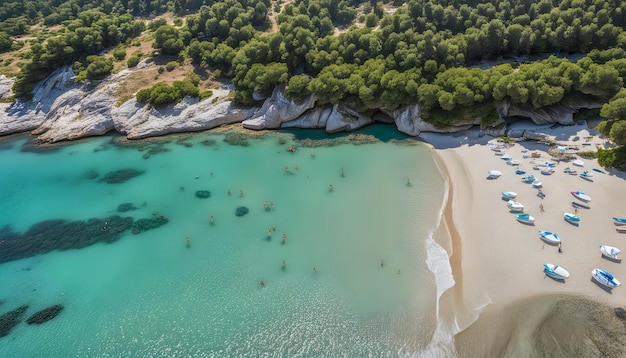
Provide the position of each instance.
(150, 295)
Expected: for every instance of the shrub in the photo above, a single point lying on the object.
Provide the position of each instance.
(133, 61)
(170, 66)
(119, 53)
(161, 69)
(205, 94)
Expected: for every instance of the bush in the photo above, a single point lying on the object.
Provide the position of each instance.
(161, 69)
(170, 66)
(205, 94)
(119, 53)
(162, 94)
(133, 61)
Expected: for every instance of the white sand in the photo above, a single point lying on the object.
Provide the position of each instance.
(495, 259)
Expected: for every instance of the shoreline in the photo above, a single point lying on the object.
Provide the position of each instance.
(484, 241)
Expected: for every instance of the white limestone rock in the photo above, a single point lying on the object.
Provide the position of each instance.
(314, 118)
(278, 109)
(5, 87)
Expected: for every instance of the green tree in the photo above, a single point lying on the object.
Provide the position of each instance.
(618, 132)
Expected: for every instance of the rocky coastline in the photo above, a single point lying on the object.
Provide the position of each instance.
(62, 110)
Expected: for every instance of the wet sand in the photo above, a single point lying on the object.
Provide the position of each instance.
(501, 292)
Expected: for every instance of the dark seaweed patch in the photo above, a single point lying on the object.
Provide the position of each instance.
(11, 319)
(45, 315)
(120, 176)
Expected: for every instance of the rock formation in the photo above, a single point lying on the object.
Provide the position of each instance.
(11, 319)
(63, 110)
(45, 315)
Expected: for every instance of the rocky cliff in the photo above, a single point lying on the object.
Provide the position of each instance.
(63, 110)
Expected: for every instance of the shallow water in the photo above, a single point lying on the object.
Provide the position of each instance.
(151, 295)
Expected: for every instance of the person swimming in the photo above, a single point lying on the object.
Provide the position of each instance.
(187, 241)
(331, 188)
(211, 219)
(261, 283)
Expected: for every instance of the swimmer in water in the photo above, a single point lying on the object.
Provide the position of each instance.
(187, 241)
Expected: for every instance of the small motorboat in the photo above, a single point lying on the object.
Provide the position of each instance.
(586, 175)
(506, 157)
(515, 206)
(581, 195)
(571, 218)
(619, 221)
(537, 184)
(547, 171)
(526, 219)
(513, 162)
(570, 171)
(555, 271)
(604, 278)
(549, 164)
(598, 170)
(509, 194)
(520, 172)
(535, 155)
(610, 252)
(494, 174)
(551, 238)
(578, 163)
(528, 179)
(576, 204)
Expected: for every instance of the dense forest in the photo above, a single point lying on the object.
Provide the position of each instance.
(370, 55)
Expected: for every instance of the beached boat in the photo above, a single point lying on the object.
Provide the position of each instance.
(576, 204)
(526, 219)
(610, 252)
(535, 155)
(515, 206)
(586, 175)
(537, 184)
(571, 218)
(494, 174)
(506, 157)
(619, 221)
(528, 179)
(598, 170)
(555, 271)
(578, 163)
(604, 278)
(621, 229)
(520, 172)
(570, 171)
(513, 162)
(549, 164)
(547, 171)
(581, 195)
(509, 194)
(550, 237)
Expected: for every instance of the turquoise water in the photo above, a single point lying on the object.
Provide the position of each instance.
(151, 295)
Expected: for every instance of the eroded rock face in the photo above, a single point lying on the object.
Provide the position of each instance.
(278, 109)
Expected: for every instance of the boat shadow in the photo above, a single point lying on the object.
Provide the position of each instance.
(605, 288)
(572, 223)
(560, 280)
(587, 179)
(613, 259)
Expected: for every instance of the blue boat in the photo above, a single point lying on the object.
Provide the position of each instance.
(571, 218)
(520, 172)
(598, 170)
(621, 221)
(576, 204)
(586, 175)
(604, 278)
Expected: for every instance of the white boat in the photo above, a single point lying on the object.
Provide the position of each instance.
(581, 195)
(506, 157)
(570, 171)
(610, 252)
(621, 229)
(528, 179)
(526, 219)
(515, 206)
(513, 162)
(571, 218)
(555, 271)
(604, 278)
(494, 174)
(547, 171)
(537, 184)
(551, 238)
(586, 175)
(509, 194)
(578, 163)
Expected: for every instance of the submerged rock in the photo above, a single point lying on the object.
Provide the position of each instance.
(126, 207)
(45, 315)
(241, 211)
(203, 194)
(236, 138)
(90, 175)
(120, 176)
(11, 319)
(142, 225)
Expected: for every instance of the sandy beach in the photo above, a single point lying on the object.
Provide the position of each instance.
(498, 262)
